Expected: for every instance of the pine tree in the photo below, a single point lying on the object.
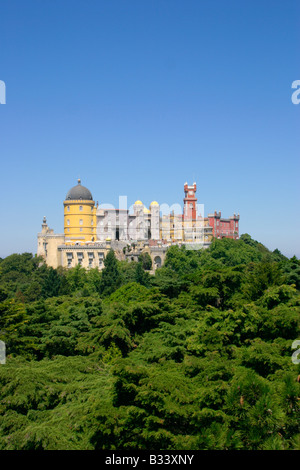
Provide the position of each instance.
(51, 284)
(140, 275)
(111, 277)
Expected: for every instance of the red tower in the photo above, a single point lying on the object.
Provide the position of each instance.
(190, 202)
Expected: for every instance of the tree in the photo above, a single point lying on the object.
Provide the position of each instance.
(168, 281)
(140, 275)
(51, 284)
(146, 261)
(111, 277)
(3, 294)
(76, 277)
(199, 358)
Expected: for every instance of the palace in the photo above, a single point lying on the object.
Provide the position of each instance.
(90, 230)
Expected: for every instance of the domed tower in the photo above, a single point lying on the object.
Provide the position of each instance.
(79, 215)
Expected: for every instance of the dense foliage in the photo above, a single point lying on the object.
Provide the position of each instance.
(195, 356)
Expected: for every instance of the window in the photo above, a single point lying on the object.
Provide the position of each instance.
(80, 229)
(80, 258)
(80, 208)
(91, 258)
(68, 222)
(69, 259)
(80, 222)
(68, 208)
(101, 259)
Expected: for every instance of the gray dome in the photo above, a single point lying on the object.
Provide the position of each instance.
(79, 192)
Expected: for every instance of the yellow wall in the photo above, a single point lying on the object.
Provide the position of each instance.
(177, 230)
(79, 221)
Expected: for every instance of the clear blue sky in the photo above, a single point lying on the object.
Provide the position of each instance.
(136, 97)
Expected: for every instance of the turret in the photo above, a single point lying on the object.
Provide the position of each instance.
(79, 215)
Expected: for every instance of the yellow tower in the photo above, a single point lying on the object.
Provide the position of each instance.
(79, 216)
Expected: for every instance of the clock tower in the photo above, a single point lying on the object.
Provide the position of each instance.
(190, 202)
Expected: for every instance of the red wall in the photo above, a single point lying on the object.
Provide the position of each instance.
(228, 228)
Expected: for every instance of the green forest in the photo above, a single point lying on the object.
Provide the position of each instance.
(197, 356)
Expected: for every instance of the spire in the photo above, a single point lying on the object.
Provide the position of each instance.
(44, 225)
